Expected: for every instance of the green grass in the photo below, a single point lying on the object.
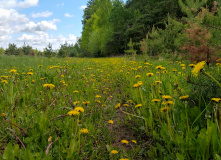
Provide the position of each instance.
(186, 129)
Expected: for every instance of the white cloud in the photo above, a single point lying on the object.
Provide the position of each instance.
(42, 14)
(16, 3)
(68, 15)
(12, 22)
(83, 7)
(40, 41)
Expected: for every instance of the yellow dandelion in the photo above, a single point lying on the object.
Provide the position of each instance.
(4, 81)
(86, 102)
(126, 105)
(167, 102)
(13, 71)
(97, 101)
(73, 113)
(165, 109)
(50, 139)
(129, 101)
(84, 131)
(138, 105)
(156, 100)
(98, 96)
(3, 115)
(124, 141)
(30, 73)
(216, 99)
(166, 97)
(76, 103)
(137, 76)
(79, 109)
(149, 74)
(118, 105)
(75, 91)
(48, 86)
(184, 97)
(134, 141)
(114, 152)
(110, 121)
(198, 67)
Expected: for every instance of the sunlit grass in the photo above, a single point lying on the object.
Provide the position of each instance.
(106, 108)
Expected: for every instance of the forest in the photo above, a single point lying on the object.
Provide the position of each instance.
(147, 27)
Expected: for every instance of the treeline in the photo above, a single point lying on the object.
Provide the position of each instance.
(65, 50)
(152, 27)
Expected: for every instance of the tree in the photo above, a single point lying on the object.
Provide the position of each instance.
(12, 49)
(26, 49)
(2, 51)
(48, 51)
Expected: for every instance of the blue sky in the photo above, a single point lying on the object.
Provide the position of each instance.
(38, 22)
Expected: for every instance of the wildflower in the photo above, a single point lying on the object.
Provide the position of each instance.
(165, 109)
(118, 105)
(110, 122)
(73, 113)
(184, 97)
(138, 105)
(31, 70)
(84, 131)
(124, 159)
(62, 75)
(155, 100)
(216, 99)
(4, 81)
(75, 91)
(166, 97)
(49, 139)
(191, 65)
(139, 84)
(159, 67)
(167, 102)
(76, 102)
(149, 74)
(79, 109)
(126, 105)
(137, 76)
(198, 67)
(182, 65)
(158, 82)
(129, 101)
(39, 66)
(48, 86)
(174, 70)
(13, 71)
(3, 115)
(86, 102)
(30, 73)
(134, 141)
(33, 81)
(124, 141)
(97, 101)
(98, 96)
(114, 152)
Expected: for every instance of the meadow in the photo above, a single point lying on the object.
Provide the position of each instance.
(109, 108)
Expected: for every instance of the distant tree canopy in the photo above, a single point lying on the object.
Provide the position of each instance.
(108, 25)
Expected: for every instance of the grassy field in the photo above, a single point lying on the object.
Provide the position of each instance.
(108, 108)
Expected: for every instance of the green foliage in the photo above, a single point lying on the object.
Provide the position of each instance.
(2, 51)
(12, 49)
(27, 49)
(67, 50)
(48, 51)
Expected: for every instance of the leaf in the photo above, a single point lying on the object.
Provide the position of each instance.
(179, 156)
(9, 153)
(217, 157)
